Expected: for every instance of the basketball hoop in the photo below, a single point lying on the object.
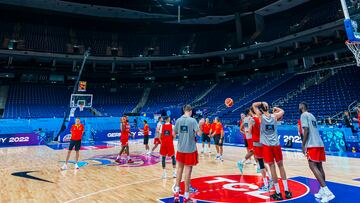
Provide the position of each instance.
(355, 49)
(81, 107)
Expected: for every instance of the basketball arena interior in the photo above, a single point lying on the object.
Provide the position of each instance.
(236, 101)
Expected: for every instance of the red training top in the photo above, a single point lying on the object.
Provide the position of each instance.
(206, 128)
(255, 130)
(77, 131)
(218, 128)
(167, 133)
(146, 130)
(125, 131)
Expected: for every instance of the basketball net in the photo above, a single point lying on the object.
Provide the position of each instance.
(355, 49)
(81, 107)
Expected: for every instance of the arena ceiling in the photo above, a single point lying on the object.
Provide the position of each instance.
(189, 7)
(191, 11)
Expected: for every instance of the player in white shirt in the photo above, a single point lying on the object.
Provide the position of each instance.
(313, 148)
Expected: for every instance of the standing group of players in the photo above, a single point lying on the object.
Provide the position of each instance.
(259, 126)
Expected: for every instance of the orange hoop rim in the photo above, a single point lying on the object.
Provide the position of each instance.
(349, 42)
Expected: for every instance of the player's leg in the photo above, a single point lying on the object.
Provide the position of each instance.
(173, 160)
(250, 152)
(216, 140)
(163, 164)
(209, 143)
(266, 186)
(77, 150)
(281, 167)
(203, 143)
(123, 148)
(277, 195)
(221, 151)
(188, 170)
(71, 146)
(180, 170)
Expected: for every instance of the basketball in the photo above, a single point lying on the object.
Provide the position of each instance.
(229, 102)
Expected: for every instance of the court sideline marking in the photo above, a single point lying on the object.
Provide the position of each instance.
(111, 188)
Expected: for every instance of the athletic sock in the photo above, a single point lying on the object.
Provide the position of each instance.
(243, 161)
(186, 195)
(277, 188)
(268, 175)
(326, 190)
(266, 182)
(285, 183)
(177, 188)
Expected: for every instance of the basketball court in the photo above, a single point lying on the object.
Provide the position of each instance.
(32, 174)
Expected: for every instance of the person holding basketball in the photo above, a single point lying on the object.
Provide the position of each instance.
(157, 140)
(271, 146)
(167, 145)
(186, 128)
(77, 131)
(124, 139)
(313, 148)
(218, 134)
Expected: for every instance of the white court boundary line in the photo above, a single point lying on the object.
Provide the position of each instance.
(111, 188)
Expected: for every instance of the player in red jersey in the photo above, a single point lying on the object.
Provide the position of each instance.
(77, 131)
(218, 135)
(146, 131)
(205, 129)
(167, 145)
(124, 139)
(157, 140)
(313, 148)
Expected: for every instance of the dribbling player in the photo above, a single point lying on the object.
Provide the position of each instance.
(271, 146)
(124, 139)
(167, 145)
(157, 140)
(186, 128)
(77, 131)
(313, 148)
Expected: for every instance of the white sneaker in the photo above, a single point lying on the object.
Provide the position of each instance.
(64, 167)
(217, 157)
(221, 158)
(319, 194)
(327, 197)
(76, 166)
(174, 174)
(148, 153)
(164, 175)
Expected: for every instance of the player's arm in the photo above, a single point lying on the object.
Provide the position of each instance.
(305, 126)
(242, 128)
(176, 130)
(173, 132)
(278, 112)
(196, 128)
(256, 108)
(160, 131)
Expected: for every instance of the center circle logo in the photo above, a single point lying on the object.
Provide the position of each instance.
(232, 188)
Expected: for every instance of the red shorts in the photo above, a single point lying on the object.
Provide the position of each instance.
(250, 144)
(258, 152)
(271, 153)
(167, 150)
(188, 159)
(124, 142)
(157, 141)
(316, 154)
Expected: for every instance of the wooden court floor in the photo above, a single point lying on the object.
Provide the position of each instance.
(95, 182)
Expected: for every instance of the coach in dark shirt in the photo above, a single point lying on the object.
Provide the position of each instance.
(348, 121)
